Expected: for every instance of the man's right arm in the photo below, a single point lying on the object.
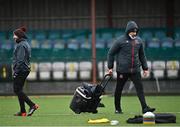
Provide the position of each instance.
(111, 54)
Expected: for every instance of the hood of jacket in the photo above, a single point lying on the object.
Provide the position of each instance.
(131, 25)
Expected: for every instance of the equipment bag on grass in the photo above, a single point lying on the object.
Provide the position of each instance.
(159, 118)
(87, 96)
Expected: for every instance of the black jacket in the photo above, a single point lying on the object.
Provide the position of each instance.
(129, 53)
(21, 57)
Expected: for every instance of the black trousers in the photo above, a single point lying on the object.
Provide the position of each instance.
(121, 80)
(18, 83)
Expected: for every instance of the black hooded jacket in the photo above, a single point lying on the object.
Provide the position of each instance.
(21, 56)
(129, 53)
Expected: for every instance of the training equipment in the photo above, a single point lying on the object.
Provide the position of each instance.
(87, 97)
(148, 118)
(159, 118)
(96, 121)
(114, 122)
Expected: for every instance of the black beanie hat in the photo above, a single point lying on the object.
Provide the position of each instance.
(20, 32)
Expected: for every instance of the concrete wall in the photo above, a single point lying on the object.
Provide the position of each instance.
(150, 87)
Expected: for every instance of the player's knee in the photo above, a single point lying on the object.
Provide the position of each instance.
(17, 91)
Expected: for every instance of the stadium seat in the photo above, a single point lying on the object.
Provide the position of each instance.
(85, 45)
(33, 74)
(177, 43)
(45, 70)
(40, 35)
(5, 72)
(8, 44)
(30, 35)
(158, 69)
(58, 70)
(172, 69)
(107, 37)
(118, 34)
(167, 42)
(72, 70)
(59, 44)
(66, 35)
(109, 45)
(160, 34)
(80, 39)
(147, 35)
(39, 40)
(177, 34)
(100, 43)
(46, 44)
(72, 44)
(101, 69)
(90, 36)
(153, 43)
(35, 44)
(85, 68)
(149, 69)
(54, 35)
(3, 36)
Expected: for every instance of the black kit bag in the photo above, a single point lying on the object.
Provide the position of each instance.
(87, 96)
(159, 118)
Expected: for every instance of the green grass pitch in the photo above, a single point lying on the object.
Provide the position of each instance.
(54, 111)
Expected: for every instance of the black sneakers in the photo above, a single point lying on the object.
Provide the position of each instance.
(32, 109)
(148, 109)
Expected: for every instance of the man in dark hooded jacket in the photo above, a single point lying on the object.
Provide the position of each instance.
(129, 53)
(21, 69)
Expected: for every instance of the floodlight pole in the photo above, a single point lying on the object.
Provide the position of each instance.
(93, 29)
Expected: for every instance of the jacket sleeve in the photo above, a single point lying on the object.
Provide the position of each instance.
(20, 56)
(111, 54)
(142, 57)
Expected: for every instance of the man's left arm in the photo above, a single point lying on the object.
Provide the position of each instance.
(142, 57)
